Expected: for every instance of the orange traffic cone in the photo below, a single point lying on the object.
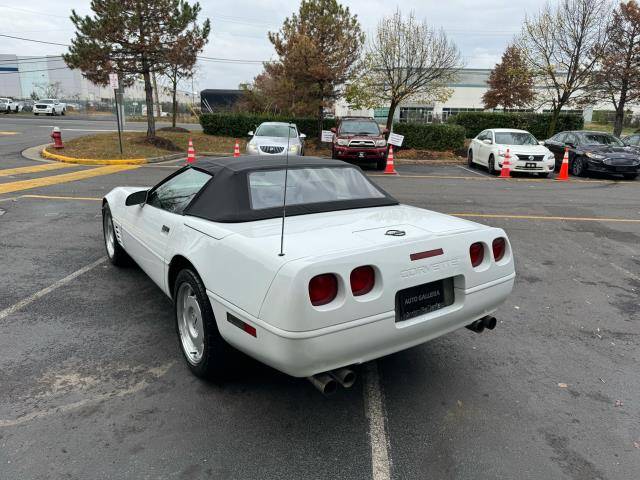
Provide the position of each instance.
(390, 169)
(191, 153)
(236, 149)
(564, 169)
(506, 166)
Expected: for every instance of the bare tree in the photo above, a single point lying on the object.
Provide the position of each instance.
(617, 80)
(405, 60)
(563, 45)
(48, 89)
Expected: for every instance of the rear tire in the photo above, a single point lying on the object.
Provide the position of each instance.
(63, 112)
(544, 175)
(205, 351)
(381, 164)
(630, 176)
(115, 252)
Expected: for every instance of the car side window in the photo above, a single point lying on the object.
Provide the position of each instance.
(633, 140)
(176, 193)
(572, 139)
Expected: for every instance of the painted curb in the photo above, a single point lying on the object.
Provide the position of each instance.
(94, 161)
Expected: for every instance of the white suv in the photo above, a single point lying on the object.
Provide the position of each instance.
(526, 153)
(7, 105)
(49, 106)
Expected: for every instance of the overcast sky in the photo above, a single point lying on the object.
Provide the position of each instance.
(480, 28)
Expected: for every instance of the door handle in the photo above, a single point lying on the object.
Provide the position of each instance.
(165, 229)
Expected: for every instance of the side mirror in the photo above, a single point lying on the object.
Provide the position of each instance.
(302, 136)
(333, 129)
(250, 133)
(541, 142)
(487, 141)
(570, 145)
(136, 198)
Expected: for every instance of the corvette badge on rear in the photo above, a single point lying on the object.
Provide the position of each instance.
(334, 274)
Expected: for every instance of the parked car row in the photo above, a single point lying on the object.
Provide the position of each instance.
(588, 151)
(46, 106)
(356, 139)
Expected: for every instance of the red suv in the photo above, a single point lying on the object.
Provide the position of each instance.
(359, 140)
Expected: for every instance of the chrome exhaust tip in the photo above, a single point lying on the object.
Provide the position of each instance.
(344, 376)
(324, 383)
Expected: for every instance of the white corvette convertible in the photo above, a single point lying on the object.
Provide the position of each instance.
(360, 276)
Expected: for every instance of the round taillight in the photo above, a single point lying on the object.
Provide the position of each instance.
(362, 280)
(499, 246)
(476, 253)
(323, 289)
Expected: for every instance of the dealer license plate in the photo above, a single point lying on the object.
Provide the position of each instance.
(421, 299)
(361, 154)
(530, 165)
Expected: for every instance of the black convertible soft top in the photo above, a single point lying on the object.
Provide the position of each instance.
(226, 197)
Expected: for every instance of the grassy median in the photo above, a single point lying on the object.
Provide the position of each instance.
(104, 146)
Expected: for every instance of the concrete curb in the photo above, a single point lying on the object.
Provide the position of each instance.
(41, 154)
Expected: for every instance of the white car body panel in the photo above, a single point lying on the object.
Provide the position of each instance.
(244, 276)
(482, 152)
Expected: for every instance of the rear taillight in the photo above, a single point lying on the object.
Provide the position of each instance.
(362, 280)
(476, 253)
(323, 289)
(499, 246)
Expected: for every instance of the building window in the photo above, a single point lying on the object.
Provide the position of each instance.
(450, 112)
(416, 114)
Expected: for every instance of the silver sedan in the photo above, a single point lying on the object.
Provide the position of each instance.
(270, 138)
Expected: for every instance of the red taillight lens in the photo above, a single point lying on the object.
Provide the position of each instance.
(499, 246)
(362, 280)
(323, 289)
(476, 252)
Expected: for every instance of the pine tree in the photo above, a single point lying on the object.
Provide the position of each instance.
(131, 38)
(511, 83)
(317, 49)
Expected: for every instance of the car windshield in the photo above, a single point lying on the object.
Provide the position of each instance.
(600, 139)
(515, 138)
(45, 101)
(276, 130)
(309, 185)
(355, 127)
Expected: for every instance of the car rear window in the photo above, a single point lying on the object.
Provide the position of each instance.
(309, 185)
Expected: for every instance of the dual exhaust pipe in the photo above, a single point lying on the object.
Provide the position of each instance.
(487, 322)
(327, 383)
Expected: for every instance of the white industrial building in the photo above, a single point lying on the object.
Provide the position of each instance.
(466, 96)
(22, 76)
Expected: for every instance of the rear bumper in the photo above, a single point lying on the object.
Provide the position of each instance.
(306, 353)
(364, 154)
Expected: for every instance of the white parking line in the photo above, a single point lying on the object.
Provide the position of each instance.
(374, 410)
(472, 171)
(60, 283)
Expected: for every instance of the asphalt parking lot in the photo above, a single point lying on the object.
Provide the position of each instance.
(93, 385)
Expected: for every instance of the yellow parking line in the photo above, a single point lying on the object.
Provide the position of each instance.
(64, 178)
(544, 217)
(59, 197)
(33, 169)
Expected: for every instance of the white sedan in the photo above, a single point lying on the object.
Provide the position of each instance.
(526, 154)
(358, 275)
